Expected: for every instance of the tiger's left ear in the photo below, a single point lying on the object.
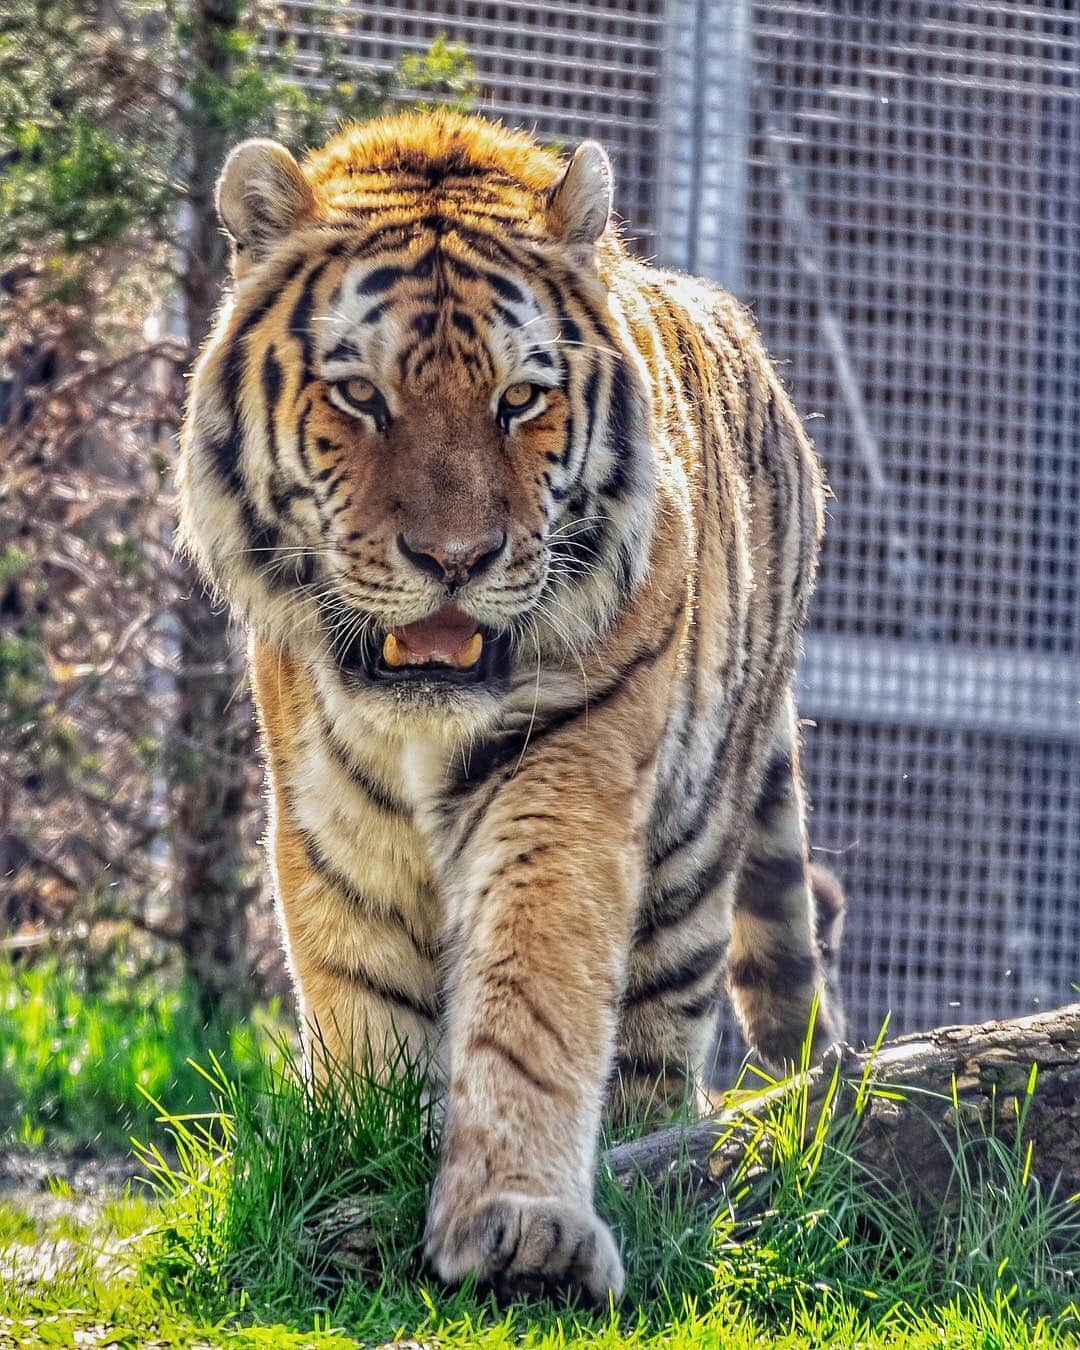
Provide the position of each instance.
(580, 202)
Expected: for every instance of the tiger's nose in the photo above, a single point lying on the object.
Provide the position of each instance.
(453, 563)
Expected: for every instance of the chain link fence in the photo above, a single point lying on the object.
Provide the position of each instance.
(895, 190)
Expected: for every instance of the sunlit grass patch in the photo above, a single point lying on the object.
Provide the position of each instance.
(304, 1206)
(16, 1226)
(130, 1214)
(285, 1214)
(76, 1048)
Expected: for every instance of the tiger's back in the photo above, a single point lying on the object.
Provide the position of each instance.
(524, 532)
(726, 848)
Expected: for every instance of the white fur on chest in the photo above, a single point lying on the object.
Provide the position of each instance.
(422, 766)
(381, 854)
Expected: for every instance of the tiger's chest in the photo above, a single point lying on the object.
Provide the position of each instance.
(351, 797)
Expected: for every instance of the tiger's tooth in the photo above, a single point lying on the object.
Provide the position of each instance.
(393, 652)
(469, 652)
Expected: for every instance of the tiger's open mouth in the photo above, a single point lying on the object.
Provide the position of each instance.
(448, 647)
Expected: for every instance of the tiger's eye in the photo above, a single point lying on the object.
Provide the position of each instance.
(519, 395)
(360, 391)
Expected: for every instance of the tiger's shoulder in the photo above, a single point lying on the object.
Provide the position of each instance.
(721, 409)
(703, 348)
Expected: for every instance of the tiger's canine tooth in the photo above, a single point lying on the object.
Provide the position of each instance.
(469, 652)
(393, 653)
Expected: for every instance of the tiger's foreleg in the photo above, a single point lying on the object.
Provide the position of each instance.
(354, 895)
(367, 996)
(787, 918)
(543, 915)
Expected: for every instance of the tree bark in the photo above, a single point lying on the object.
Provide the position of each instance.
(215, 775)
(905, 1135)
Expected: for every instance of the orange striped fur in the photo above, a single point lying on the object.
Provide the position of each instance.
(441, 380)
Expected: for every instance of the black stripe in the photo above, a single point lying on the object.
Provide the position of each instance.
(423, 267)
(469, 828)
(588, 397)
(568, 441)
(384, 239)
(330, 874)
(493, 249)
(680, 977)
(595, 316)
(679, 904)
(569, 329)
(622, 422)
(584, 546)
(380, 279)
(507, 315)
(513, 987)
(423, 324)
(485, 1042)
(283, 498)
(260, 536)
(387, 992)
(300, 319)
(485, 245)
(359, 775)
(463, 323)
(224, 454)
(765, 883)
(704, 1004)
(345, 350)
(776, 787)
(464, 271)
(704, 809)
(776, 970)
(732, 679)
(302, 441)
(281, 493)
(271, 388)
(376, 311)
(496, 753)
(504, 288)
(624, 570)
(232, 366)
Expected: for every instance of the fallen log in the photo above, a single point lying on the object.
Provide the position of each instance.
(904, 1103)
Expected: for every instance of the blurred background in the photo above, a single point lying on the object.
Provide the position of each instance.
(894, 190)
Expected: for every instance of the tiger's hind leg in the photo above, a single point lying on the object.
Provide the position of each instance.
(787, 920)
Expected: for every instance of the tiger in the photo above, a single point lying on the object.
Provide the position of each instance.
(522, 531)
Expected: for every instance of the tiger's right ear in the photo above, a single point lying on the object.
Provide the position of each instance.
(261, 196)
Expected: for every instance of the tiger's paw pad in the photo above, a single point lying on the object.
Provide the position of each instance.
(519, 1244)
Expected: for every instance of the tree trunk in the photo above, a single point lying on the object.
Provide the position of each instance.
(215, 777)
(214, 774)
(905, 1136)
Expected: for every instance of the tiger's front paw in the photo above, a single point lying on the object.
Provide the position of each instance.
(523, 1244)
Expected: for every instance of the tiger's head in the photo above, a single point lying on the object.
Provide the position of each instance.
(416, 444)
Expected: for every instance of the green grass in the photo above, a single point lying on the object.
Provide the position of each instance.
(15, 1225)
(238, 1247)
(815, 1249)
(76, 1049)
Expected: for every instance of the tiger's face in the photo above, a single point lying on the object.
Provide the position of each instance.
(439, 410)
(415, 443)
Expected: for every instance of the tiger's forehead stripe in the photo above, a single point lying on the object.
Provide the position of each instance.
(345, 309)
(437, 300)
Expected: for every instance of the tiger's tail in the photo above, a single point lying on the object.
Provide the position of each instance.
(787, 921)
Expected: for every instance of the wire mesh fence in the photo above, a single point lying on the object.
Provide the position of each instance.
(912, 251)
(895, 190)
